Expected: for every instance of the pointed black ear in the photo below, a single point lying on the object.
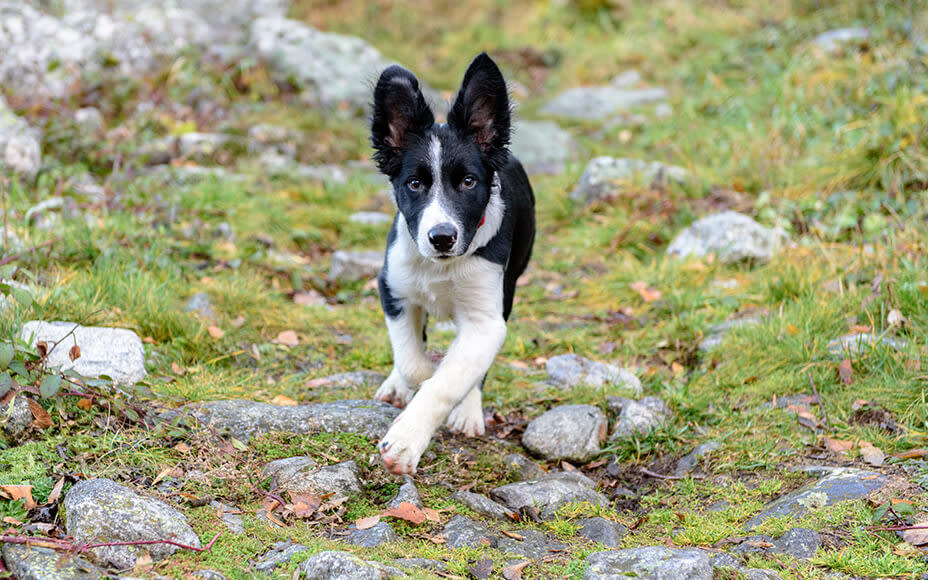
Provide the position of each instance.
(400, 111)
(481, 109)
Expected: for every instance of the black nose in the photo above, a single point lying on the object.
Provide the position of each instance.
(443, 236)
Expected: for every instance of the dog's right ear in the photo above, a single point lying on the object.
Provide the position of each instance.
(400, 113)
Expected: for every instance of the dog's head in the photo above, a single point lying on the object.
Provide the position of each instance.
(444, 176)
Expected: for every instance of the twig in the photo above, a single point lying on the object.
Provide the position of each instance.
(151, 542)
(14, 257)
(820, 402)
(895, 528)
(650, 473)
(68, 546)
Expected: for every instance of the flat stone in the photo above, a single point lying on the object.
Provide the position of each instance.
(568, 370)
(627, 79)
(407, 494)
(542, 146)
(606, 177)
(832, 40)
(572, 432)
(533, 545)
(759, 574)
(338, 565)
(654, 562)
(800, 543)
(16, 417)
(34, 563)
(231, 517)
(853, 345)
(484, 506)
(101, 510)
(20, 143)
(200, 304)
(351, 380)
(422, 564)
(209, 575)
(723, 560)
(638, 417)
(302, 475)
(525, 467)
(204, 146)
(349, 266)
(246, 419)
(370, 218)
(838, 485)
(548, 494)
(733, 237)
(379, 533)
(462, 531)
(603, 531)
(689, 461)
(717, 333)
(115, 352)
(280, 553)
(599, 103)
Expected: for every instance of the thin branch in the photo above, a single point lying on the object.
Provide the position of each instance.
(151, 542)
(820, 402)
(14, 257)
(895, 528)
(69, 546)
(650, 473)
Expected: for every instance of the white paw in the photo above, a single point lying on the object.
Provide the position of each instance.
(405, 442)
(467, 417)
(394, 391)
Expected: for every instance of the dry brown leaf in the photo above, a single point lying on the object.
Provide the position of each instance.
(838, 446)
(42, 419)
(314, 383)
(178, 370)
(365, 523)
(216, 332)
(912, 454)
(846, 372)
(512, 535)
(287, 338)
(872, 455)
(431, 515)
(85, 404)
(860, 403)
(284, 401)
(74, 353)
(304, 505)
(406, 511)
(23, 492)
(56, 492)
(41, 348)
(918, 536)
(514, 571)
(164, 473)
(808, 420)
(182, 447)
(647, 293)
(11, 520)
(238, 322)
(859, 328)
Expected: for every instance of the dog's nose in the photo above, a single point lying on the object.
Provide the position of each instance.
(443, 236)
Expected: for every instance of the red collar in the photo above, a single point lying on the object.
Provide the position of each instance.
(483, 219)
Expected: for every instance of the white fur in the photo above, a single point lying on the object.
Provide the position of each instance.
(435, 212)
(496, 208)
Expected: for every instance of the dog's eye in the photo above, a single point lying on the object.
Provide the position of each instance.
(469, 182)
(414, 185)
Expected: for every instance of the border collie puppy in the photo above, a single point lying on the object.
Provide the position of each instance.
(462, 236)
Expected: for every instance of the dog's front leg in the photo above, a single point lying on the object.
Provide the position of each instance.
(411, 366)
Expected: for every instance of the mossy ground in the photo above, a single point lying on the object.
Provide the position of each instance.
(830, 146)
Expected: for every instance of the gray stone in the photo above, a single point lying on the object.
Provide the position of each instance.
(422, 564)
(572, 432)
(200, 304)
(854, 345)
(89, 120)
(351, 380)
(533, 545)
(246, 419)
(724, 560)
(627, 79)
(549, 493)
(87, 187)
(832, 40)
(34, 563)
(605, 177)
(603, 531)
(302, 475)
(758, 574)
(838, 485)
(338, 565)
(689, 461)
(16, 416)
(526, 468)
(568, 370)
(349, 266)
(205, 146)
(280, 553)
(653, 562)
(407, 494)
(326, 173)
(20, 148)
(379, 533)
(600, 103)
(542, 146)
(638, 417)
(115, 352)
(101, 510)
(273, 138)
(231, 517)
(484, 506)
(800, 543)
(209, 575)
(370, 218)
(717, 333)
(731, 236)
(461, 531)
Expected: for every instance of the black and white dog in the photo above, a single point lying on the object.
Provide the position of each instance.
(462, 236)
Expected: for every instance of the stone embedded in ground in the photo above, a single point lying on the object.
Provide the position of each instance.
(350, 380)
(246, 419)
(484, 505)
(101, 510)
(832, 40)
(601, 530)
(200, 304)
(549, 493)
(338, 565)
(462, 531)
(800, 543)
(349, 266)
(722, 560)
(607, 176)
(731, 236)
(637, 417)
(758, 574)
(526, 468)
(599, 103)
(20, 144)
(15, 416)
(542, 146)
(115, 352)
(35, 563)
(231, 517)
(209, 575)
(718, 332)
(205, 146)
(626, 79)
(572, 432)
(370, 218)
(274, 139)
(379, 533)
(838, 484)
(85, 186)
(533, 545)
(568, 370)
(407, 494)
(280, 553)
(655, 562)
(303, 475)
(421, 564)
(689, 461)
(854, 345)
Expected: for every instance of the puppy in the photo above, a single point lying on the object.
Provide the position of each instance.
(462, 235)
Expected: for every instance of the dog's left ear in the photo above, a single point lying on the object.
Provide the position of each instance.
(481, 109)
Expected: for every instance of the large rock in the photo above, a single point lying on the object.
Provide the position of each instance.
(279, 554)
(605, 177)
(603, 531)
(599, 103)
(654, 562)
(34, 563)
(115, 352)
(461, 531)
(572, 432)
(101, 510)
(733, 237)
(338, 565)
(542, 146)
(638, 417)
(484, 506)
(20, 148)
(349, 266)
(302, 475)
(379, 533)
(568, 370)
(246, 419)
(548, 494)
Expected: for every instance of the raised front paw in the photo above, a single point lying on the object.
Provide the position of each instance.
(394, 391)
(404, 443)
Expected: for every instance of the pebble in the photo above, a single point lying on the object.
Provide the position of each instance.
(571, 432)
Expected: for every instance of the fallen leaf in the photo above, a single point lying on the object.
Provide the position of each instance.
(758, 544)
(895, 318)
(859, 329)
(23, 492)
(647, 293)
(56, 492)
(287, 338)
(42, 419)
(846, 372)
(808, 420)
(85, 404)
(406, 511)
(164, 473)
(238, 444)
(284, 401)
(837, 446)
(239, 321)
(918, 536)
(216, 332)
(314, 383)
(182, 447)
(912, 454)
(860, 403)
(872, 455)
(178, 370)
(365, 523)
(309, 298)
(482, 568)
(304, 505)
(431, 515)
(514, 571)
(74, 353)
(41, 348)
(11, 520)
(512, 535)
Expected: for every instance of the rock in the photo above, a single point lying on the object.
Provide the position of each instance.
(34, 563)
(638, 417)
(717, 333)
(9, 243)
(484, 506)
(526, 468)
(200, 304)
(689, 461)
(568, 370)
(837, 485)
(548, 493)
(338, 565)
(115, 352)
(274, 138)
(326, 173)
(101, 510)
(421, 564)
(599, 103)
(370, 218)
(603, 531)
(732, 236)
(627, 79)
(209, 575)
(206, 146)
(246, 419)
(349, 266)
(280, 553)
(407, 494)
(16, 417)
(721, 560)
(853, 345)
(800, 543)
(758, 574)
(655, 562)
(20, 148)
(533, 545)
(301, 475)
(832, 40)
(86, 186)
(461, 531)
(379, 533)
(231, 517)
(350, 380)
(572, 432)
(89, 120)
(605, 177)
(542, 146)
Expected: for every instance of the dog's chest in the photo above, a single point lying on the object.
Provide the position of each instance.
(433, 290)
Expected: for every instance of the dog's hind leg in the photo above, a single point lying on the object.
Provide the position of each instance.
(467, 417)
(411, 366)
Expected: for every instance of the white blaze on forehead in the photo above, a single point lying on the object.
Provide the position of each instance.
(435, 212)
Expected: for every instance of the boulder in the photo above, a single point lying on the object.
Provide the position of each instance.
(600, 103)
(548, 494)
(542, 146)
(606, 177)
(568, 370)
(338, 565)
(302, 475)
(350, 266)
(733, 237)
